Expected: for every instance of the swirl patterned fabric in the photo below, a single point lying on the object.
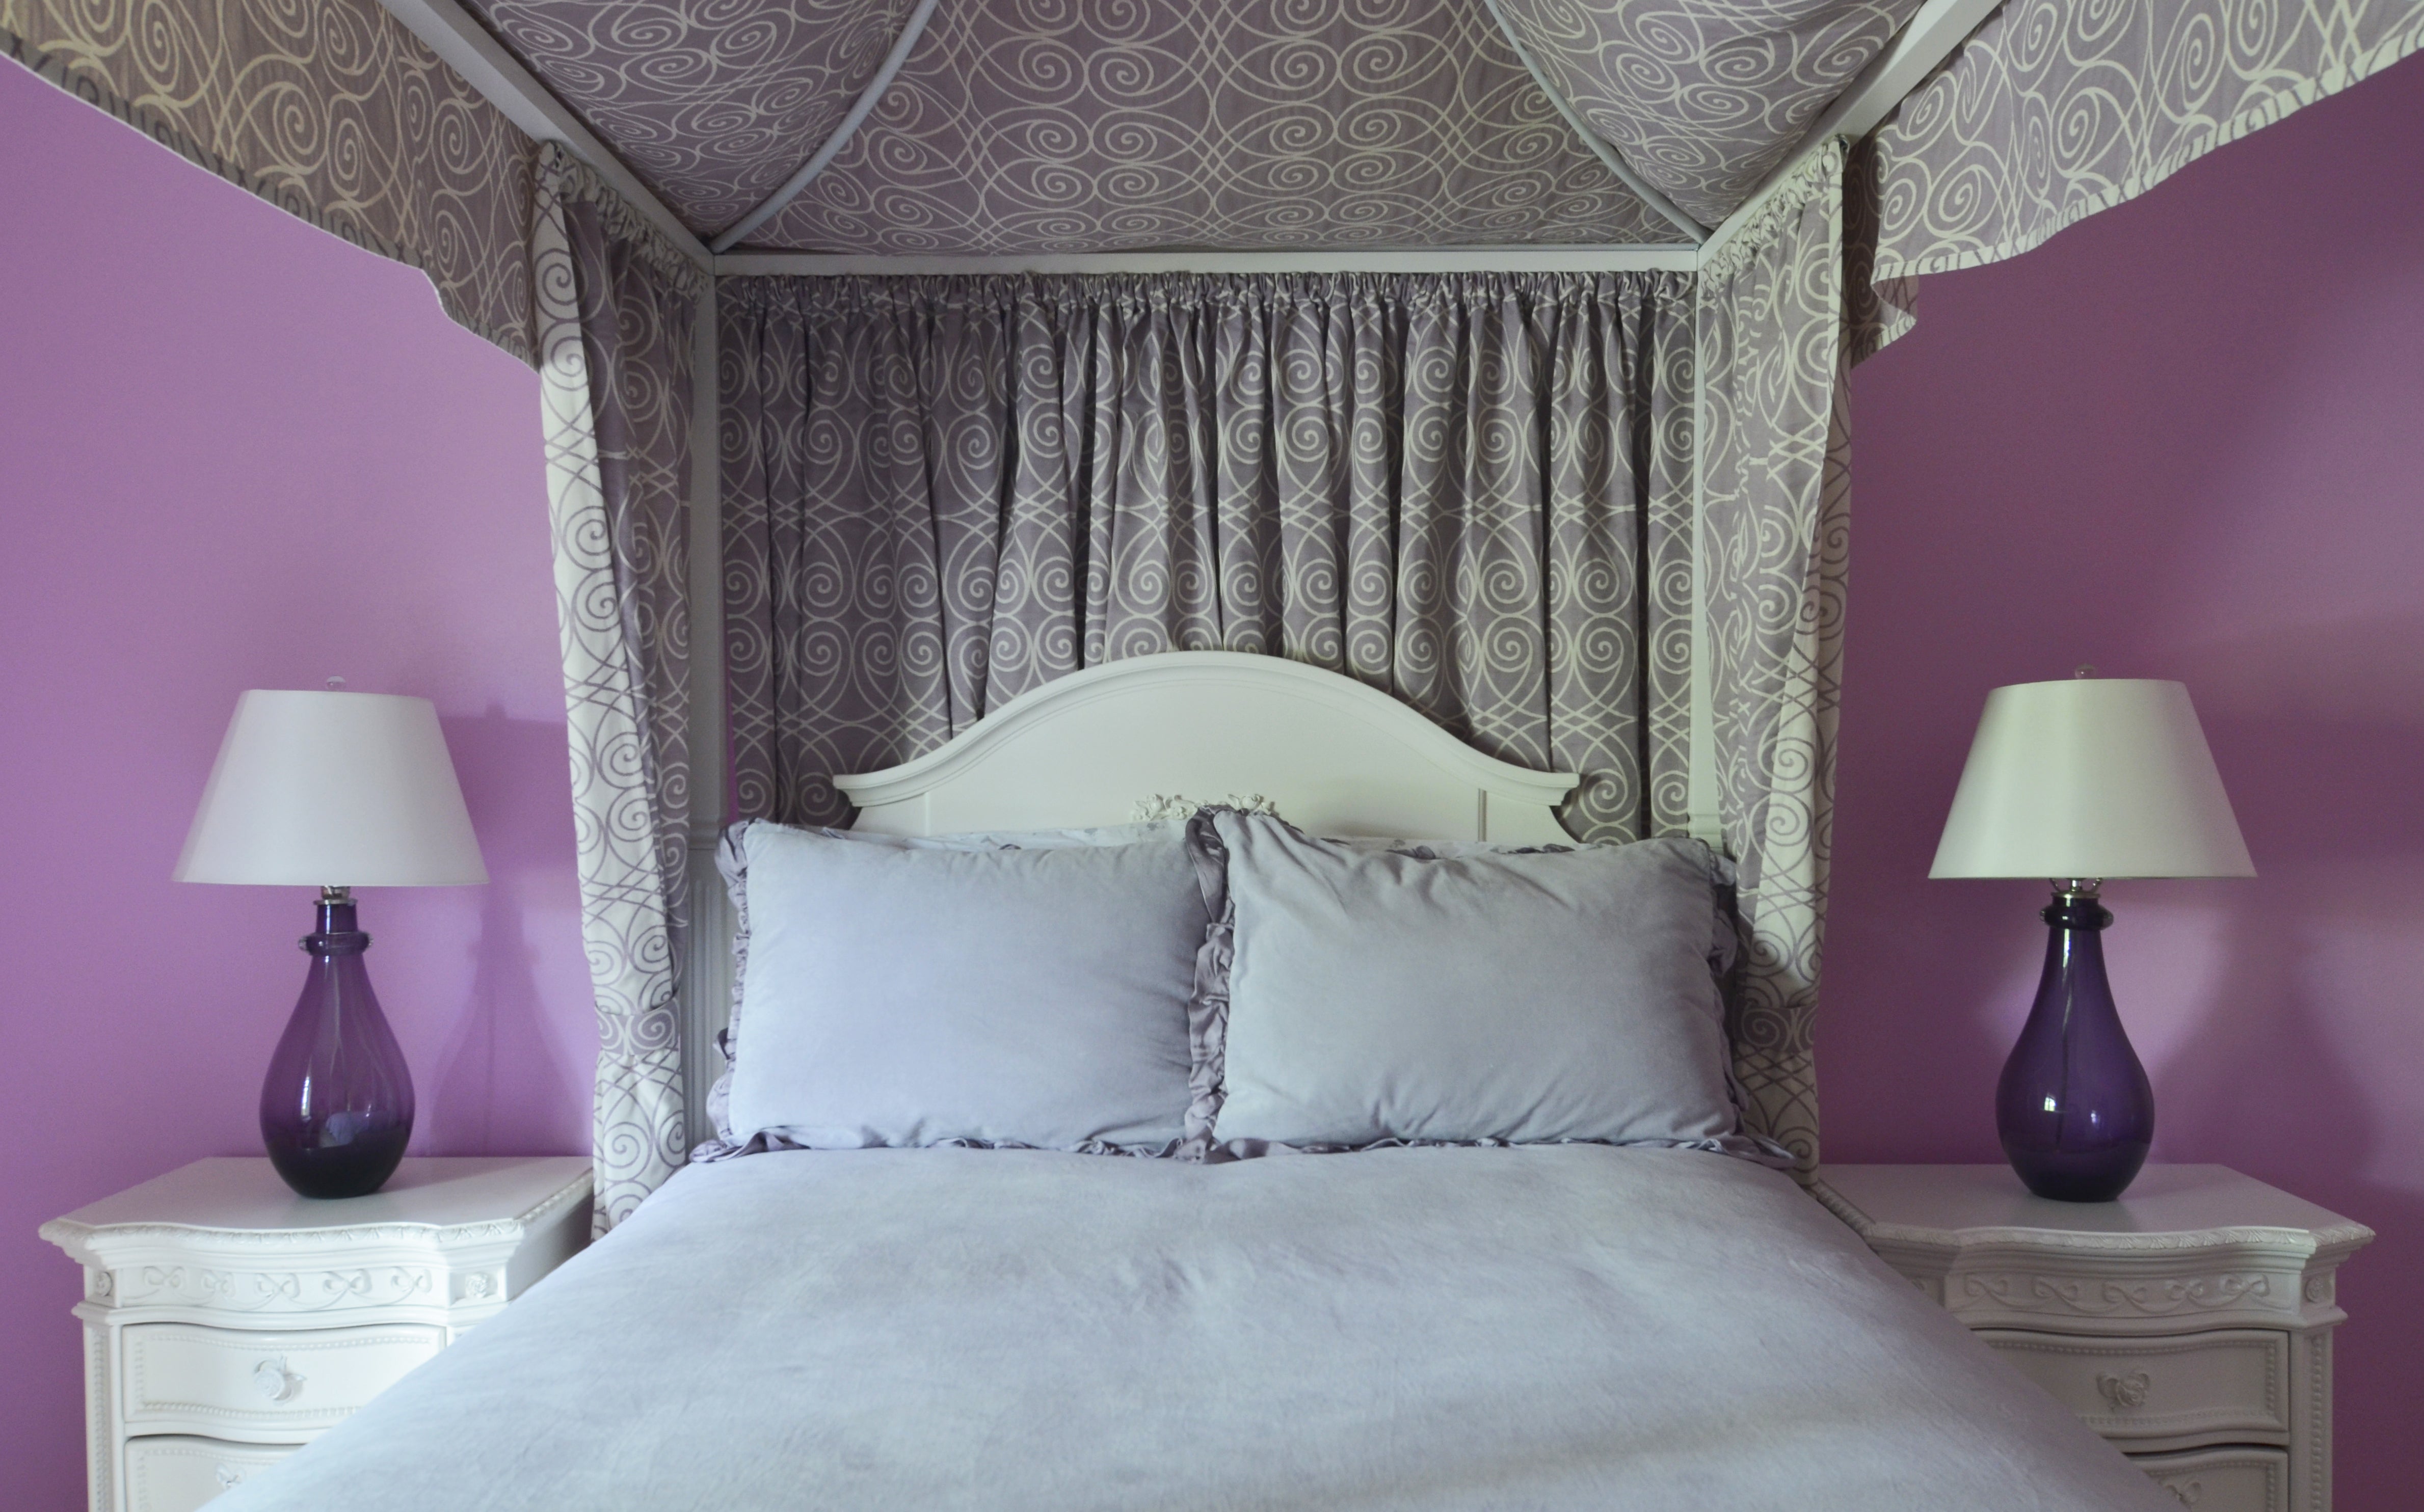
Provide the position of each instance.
(1470, 491)
(2055, 109)
(713, 105)
(329, 109)
(617, 308)
(1705, 99)
(1775, 476)
(1056, 125)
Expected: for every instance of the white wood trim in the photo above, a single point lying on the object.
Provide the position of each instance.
(1924, 42)
(1600, 147)
(1598, 257)
(487, 67)
(707, 967)
(1703, 818)
(772, 205)
(1041, 706)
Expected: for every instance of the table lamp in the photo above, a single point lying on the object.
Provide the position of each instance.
(336, 790)
(2081, 781)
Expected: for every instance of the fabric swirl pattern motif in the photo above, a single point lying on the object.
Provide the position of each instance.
(713, 103)
(1056, 125)
(1705, 100)
(1774, 490)
(2055, 109)
(618, 306)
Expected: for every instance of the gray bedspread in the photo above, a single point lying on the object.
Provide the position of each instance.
(1565, 1326)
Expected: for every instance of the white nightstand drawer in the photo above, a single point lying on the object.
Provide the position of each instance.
(2223, 1480)
(242, 1382)
(2230, 1380)
(176, 1473)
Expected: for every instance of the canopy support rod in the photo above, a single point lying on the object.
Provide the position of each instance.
(1562, 257)
(774, 202)
(1599, 145)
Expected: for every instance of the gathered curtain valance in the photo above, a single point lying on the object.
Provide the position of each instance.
(1469, 490)
(2054, 110)
(329, 109)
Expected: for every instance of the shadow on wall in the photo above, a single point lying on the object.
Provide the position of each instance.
(502, 1082)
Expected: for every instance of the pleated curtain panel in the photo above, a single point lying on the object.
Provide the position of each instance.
(1470, 492)
(616, 308)
(1774, 498)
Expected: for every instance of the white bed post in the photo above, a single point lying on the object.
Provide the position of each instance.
(1700, 797)
(706, 965)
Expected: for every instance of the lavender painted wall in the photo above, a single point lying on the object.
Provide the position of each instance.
(2183, 440)
(237, 453)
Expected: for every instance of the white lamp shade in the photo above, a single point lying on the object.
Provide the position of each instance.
(2091, 778)
(332, 790)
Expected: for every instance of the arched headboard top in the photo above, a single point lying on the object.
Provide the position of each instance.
(1333, 755)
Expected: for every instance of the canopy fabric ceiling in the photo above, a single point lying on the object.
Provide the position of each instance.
(1027, 126)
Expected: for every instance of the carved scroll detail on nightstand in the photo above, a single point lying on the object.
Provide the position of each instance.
(2188, 1489)
(274, 1291)
(2020, 1293)
(2124, 1392)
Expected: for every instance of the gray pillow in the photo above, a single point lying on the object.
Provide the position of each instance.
(982, 992)
(1351, 996)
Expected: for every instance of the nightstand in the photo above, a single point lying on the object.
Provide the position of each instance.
(227, 1322)
(2189, 1323)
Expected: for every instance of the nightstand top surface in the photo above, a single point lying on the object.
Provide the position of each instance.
(2164, 1199)
(238, 1192)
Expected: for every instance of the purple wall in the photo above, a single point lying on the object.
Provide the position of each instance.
(2183, 440)
(237, 453)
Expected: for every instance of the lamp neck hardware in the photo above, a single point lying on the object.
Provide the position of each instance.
(2074, 905)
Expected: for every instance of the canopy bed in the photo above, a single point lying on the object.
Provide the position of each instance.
(996, 414)
(1422, 1323)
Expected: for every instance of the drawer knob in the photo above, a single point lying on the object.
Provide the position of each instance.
(275, 1381)
(2124, 1392)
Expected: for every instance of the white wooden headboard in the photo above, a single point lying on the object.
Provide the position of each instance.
(1334, 755)
(1331, 754)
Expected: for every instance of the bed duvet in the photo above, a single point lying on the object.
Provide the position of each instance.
(1565, 1326)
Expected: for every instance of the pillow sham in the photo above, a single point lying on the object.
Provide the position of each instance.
(1351, 995)
(993, 990)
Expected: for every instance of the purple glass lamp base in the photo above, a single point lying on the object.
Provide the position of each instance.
(335, 1109)
(2074, 1107)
